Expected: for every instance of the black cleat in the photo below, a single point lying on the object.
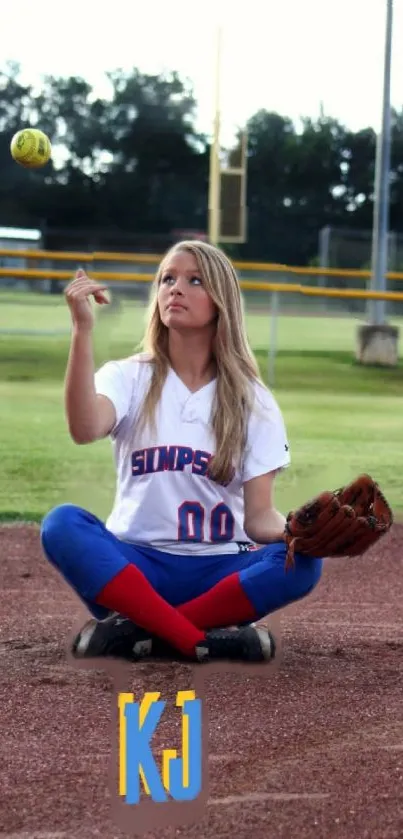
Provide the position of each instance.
(114, 637)
(248, 643)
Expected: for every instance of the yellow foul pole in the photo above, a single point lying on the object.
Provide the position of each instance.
(214, 177)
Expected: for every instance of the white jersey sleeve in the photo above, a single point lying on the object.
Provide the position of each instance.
(113, 380)
(267, 447)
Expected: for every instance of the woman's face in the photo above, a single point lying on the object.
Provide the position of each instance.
(183, 301)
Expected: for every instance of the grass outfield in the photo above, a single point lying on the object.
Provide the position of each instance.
(341, 418)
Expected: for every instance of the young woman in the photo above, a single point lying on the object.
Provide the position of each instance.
(192, 553)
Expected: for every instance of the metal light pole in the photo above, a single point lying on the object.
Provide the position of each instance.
(214, 176)
(379, 265)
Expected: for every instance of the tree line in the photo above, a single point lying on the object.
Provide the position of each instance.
(134, 168)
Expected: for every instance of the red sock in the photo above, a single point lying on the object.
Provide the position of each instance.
(130, 594)
(225, 604)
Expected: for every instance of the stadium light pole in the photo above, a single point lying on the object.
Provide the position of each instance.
(379, 266)
(214, 175)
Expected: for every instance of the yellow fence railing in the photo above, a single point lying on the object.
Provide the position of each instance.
(49, 272)
(85, 258)
(248, 285)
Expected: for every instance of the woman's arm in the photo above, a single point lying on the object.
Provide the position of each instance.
(262, 522)
(90, 416)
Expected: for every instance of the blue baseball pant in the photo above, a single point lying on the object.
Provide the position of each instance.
(88, 556)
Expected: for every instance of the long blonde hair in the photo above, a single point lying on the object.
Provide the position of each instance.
(235, 362)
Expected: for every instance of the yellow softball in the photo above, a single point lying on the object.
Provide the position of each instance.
(31, 148)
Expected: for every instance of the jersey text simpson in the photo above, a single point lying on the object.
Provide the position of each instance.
(170, 459)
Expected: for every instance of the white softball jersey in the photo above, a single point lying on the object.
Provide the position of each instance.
(164, 497)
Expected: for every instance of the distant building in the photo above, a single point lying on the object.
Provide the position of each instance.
(17, 239)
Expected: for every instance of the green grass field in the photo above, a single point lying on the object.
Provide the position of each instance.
(341, 418)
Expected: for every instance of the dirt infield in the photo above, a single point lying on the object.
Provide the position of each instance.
(312, 749)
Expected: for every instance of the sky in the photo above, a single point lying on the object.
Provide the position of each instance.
(289, 56)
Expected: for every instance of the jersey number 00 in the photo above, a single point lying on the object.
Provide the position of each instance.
(192, 519)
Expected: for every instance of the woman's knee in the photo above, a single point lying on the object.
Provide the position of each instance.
(57, 524)
(308, 573)
(270, 586)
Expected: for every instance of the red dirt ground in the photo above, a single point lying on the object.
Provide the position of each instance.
(312, 748)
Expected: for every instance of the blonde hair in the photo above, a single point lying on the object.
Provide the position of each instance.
(235, 362)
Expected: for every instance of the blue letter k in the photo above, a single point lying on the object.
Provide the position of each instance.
(138, 752)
